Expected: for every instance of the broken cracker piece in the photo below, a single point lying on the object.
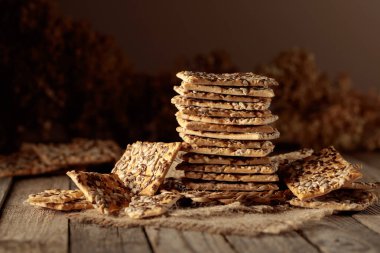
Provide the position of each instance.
(56, 196)
(105, 191)
(75, 205)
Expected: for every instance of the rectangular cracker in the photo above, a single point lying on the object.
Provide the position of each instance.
(287, 158)
(150, 206)
(194, 158)
(260, 104)
(78, 152)
(231, 177)
(24, 162)
(243, 152)
(144, 165)
(210, 127)
(228, 121)
(226, 79)
(74, 205)
(340, 200)
(232, 136)
(105, 192)
(227, 186)
(319, 174)
(225, 93)
(205, 141)
(235, 169)
(223, 113)
(56, 196)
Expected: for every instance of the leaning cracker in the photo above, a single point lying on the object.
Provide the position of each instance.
(150, 206)
(24, 162)
(227, 186)
(319, 174)
(235, 169)
(194, 158)
(231, 94)
(228, 121)
(56, 196)
(226, 79)
(105, 191)
(259, 104)
(231, 177)
(75, 205)
(205, 141)
(210, 127)
(244, 152)
(340, 200)
(232, 136)
(144, 165)
(224, 113)
(362, 185)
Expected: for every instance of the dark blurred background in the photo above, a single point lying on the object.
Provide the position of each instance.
(105, 69)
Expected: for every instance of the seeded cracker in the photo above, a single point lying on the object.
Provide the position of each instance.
(75, 205)
(144, 165)
(231, 177)
(319, 174)
(287, 158)
(235, 169)
(243, 152)
(340, 200)
(198, 185)
(226, 79)
(231, 94)
(56, 196)
(229, 121)
(225, 113)
(259, 104)
(150, 206)
(194, 158)
(105, 191)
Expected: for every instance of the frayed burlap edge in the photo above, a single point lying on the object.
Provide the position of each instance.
(228, 219)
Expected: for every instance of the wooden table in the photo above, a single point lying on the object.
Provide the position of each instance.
(27, 229)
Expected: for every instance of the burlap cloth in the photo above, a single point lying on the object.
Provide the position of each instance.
(224, 219)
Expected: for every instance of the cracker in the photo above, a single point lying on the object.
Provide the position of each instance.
(105, 191)
(287, 158)
(231, 94)
(194, 158)
(362, 185)
(201, 126)
(56, 196)
(144, 165)
(150, 206)
(225, 113)
(78, 152)
(205, 141)
(226, 79)
(75, 205)
(259, 104)
(231, 177)
(227, 186)
(232, 136)
(24, 162)
(340, 200)
(228, 121)
(319, 174)
(235, 169)
(244, 152)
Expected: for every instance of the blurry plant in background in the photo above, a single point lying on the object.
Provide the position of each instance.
(61, 79)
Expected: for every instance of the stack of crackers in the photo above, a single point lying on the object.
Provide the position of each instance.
(225, 122)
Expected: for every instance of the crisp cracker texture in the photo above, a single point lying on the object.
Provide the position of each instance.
(226, 79)
(56, 196)
(74, 205)
(340, 200)
(199, 185)
(195, 158)
(231, 177)
(144, 165)
(235, 169)
(105, 191)
(319, 174)
(150, 206)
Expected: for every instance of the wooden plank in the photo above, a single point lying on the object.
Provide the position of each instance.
(287, 242)
(93, 238)
(371, 165)
(5, 185)
(342, 234)
(24, 228)
(171, 240)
